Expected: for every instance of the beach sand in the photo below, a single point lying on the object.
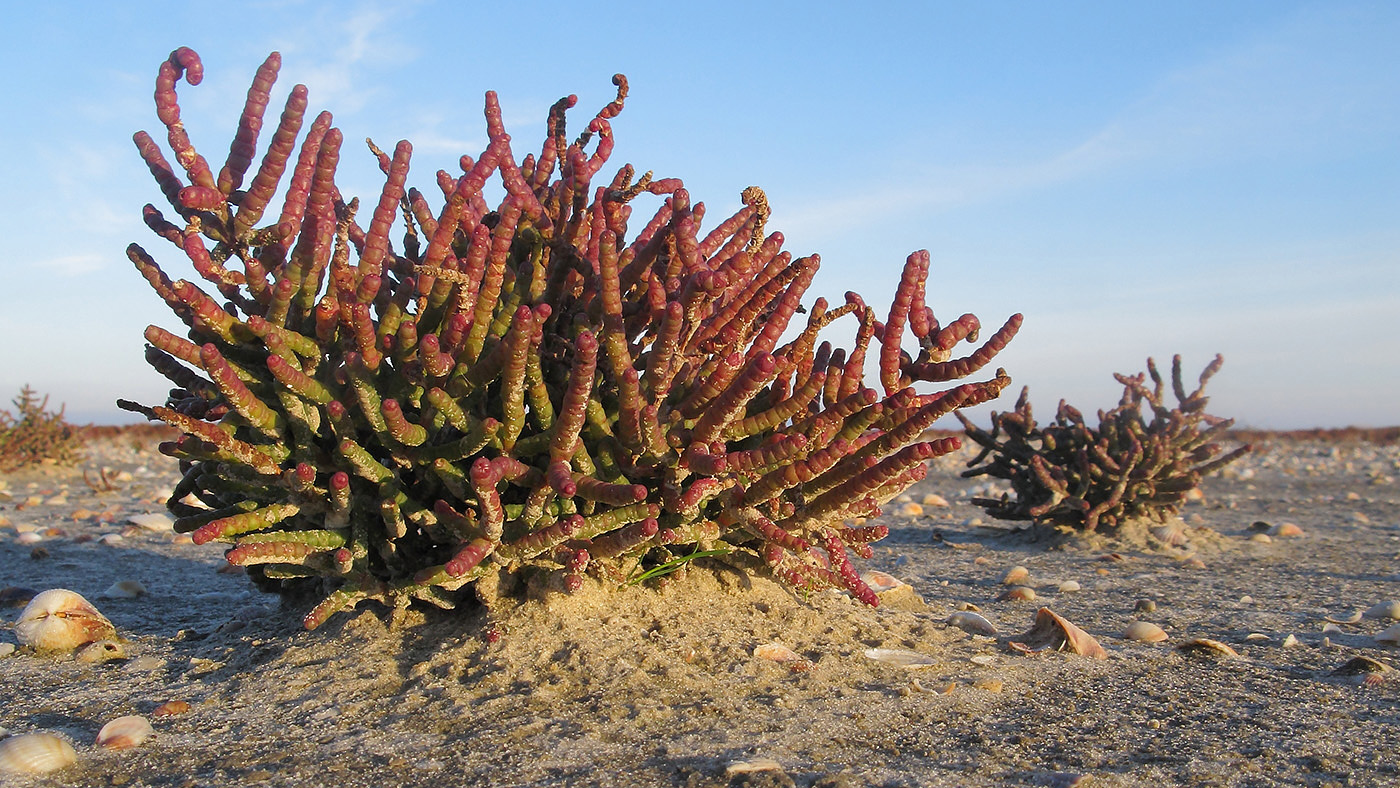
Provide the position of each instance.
(662, 687)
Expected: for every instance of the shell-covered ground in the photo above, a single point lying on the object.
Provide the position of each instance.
(647, 687)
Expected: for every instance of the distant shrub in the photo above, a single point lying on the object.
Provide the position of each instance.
(1129, 466)
(36, 435)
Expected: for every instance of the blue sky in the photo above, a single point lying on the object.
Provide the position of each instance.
(1137, 178)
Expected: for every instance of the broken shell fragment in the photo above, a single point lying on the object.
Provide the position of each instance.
(1383, 610)
(776, 652)
(1205, 647)
(171, 708)
(972, 623)
(101, 651)
(35, 753)
(1051, 632)
(123, 733)
(904, 659)
(60, 620)
(1359, 665)
(1144, 632)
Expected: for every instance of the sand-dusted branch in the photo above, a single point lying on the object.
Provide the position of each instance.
(1131, 465)
(521, 394)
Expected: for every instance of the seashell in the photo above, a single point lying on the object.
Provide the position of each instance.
(1205, 647)
(1286, 531)
(124, 589)
(123, 733)
(1389, 609)
(61, 620)
(1354, 618)
(1051, 632)
(1256, 636)
(776, 652)
(911, 509)
(881, 582)
(969, 606)
(1261, 538)
(1069, 586)
(972, 623)
(35, 753)
(101, 651)
(6, 649)
(1389, 636)
(934, 499)
(1144, 632)
(904, 659)
(752, 766)
(171, 708)
(29, 537)
(151, 522)
(1331, 629)
(1173, 533)
(1259, 525)
(1359, 665)
(1016, 576)
(1018, 594)
(1144, 606)
(1290, 641)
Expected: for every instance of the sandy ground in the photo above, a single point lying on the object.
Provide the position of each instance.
(657, 688)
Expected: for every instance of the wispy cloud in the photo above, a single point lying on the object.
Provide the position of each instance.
(1315, 82)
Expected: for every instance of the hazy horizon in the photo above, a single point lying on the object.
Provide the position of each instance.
(1138, 180)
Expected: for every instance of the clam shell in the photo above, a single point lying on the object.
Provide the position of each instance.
(1051, 632)
(776, 652)
(904, 659)
(1285, 531)
(1389, 636)
(35, 753)
(1359, 665)
(123, 733)
(1383, 610)
(1205, 647)
(124, 589)
(1018, 594)
(880, 582)
(972, 623)
(61, 620)
(151, 522)
(1016, 576)
(1144, 632)
(1173, 533)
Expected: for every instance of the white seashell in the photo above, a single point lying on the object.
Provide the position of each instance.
(123, 733)
(1291, 641)
(29, 537)
(1069, 586)
(904, 659)
(776, 652)
(1016, 576)
(35, 753)
(881, 582)
(972, 623)
(982, 659)
(1389, 609)
(1390, 636)
(100, 651)
(110, 539)
(1144, 632)
(934, 499)
(752, 766)
(1253, 636)
(124, 589)
(61, 620)
(151, 522)
(1261, 538)
(1331, 629)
